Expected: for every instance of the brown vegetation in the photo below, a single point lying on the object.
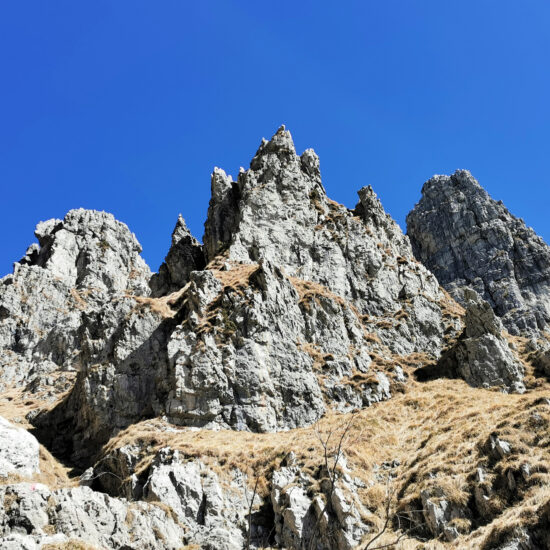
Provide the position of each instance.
(436, 431)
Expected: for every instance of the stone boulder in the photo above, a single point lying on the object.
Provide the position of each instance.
(482, 355)
(19, 451)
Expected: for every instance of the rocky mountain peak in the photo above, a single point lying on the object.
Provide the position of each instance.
(278, 211)
(267, 388)
(180, 230)
(460, 180)
(236, 333)
(90, 249)
(467, 239)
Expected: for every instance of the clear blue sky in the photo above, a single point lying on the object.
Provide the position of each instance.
(127, 105)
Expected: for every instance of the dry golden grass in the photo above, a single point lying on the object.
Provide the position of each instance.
(237, 278)
(79, 302)
(165, 306)
(401, 314)
(372, 337)
(449, 306)
(309, 290)
(52, 473)
(436, 431)
(319, 358)
(15, 403)
(523, 516)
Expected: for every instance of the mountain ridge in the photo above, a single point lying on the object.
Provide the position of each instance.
(297, 319)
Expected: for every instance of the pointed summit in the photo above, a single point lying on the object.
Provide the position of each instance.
(185, 255)
(180, 230)
(469, 240)
(222, 213)
(281, 144)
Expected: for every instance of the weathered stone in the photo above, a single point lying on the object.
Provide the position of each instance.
(469, 240)
(439, 512)
(185, 255)
(81, 263)
(215, 516)
(297, 295)
(33, 512)
(498, 448)
(19, 451)
(541, 358)
(278, 211)
(481, 356)
(304, 521)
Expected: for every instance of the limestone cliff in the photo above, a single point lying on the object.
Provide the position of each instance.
(469, 240)
(291, 382)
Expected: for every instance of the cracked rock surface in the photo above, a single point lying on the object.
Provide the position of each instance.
(281, 324)
(481, 355)
(469, 240)
(294, 313)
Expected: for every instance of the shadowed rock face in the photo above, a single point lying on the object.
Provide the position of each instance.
(467, 239)
(481, 355)
(185, 255)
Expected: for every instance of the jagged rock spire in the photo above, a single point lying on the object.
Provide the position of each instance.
(281, 145)
(223, 213)
(467, 239)
(185, 255)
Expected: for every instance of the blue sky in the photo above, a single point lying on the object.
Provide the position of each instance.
(127, 105)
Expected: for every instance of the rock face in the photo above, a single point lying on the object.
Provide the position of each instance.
(82, 264)
(298, 294)
(18, 451)
(481, 356)
(278, 211)
(29, 513)
(331, 519)
(185, 255)
(294, 309)
(215, 511)
(467, 239)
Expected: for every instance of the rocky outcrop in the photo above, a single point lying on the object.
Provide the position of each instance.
(89, 249)
(330, 519)
(469, 240)
(482, 356)
(221, 512)
(82, 264)
(539, 355)
(294, 313)
(31, 512)
(18, 451)
(214, 511)
(439, 513)
(185, 255)
(278, 211)
(298, 294)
